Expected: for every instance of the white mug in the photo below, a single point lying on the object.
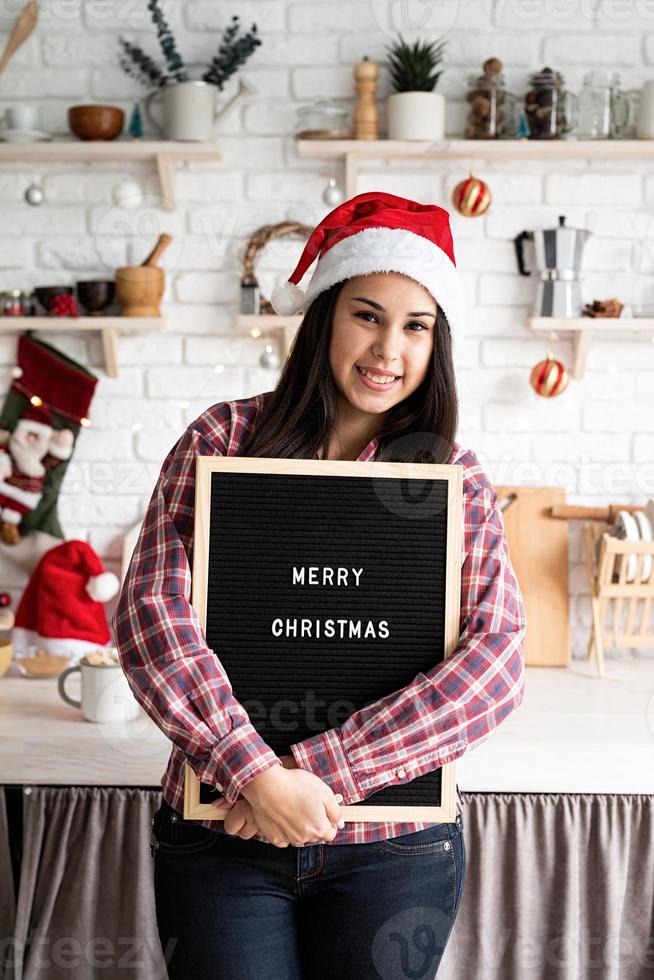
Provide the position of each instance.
(106, 695)
(20, 117)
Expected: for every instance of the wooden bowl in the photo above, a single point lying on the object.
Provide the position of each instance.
(96, 122)
(46, 294)
(139, 289)
(95, 295)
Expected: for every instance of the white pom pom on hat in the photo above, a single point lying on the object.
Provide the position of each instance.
(102, 587)
(379, 232)
(287, 299)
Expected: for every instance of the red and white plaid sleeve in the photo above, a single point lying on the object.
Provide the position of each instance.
(175, 677)
(458, 703)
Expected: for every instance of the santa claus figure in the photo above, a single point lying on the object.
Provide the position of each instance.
(26, 455)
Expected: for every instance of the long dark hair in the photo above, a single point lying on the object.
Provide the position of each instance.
(298, 416)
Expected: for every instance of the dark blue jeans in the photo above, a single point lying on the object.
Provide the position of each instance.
(234, 909)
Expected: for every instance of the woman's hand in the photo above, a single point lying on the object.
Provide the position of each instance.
(292, 806)
(240, 821)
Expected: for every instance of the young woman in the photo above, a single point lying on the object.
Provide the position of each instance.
(266, 892)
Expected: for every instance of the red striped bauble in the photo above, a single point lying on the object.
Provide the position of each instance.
(549, 378)
(471, 197)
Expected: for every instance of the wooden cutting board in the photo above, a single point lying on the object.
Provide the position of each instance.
(538, 547)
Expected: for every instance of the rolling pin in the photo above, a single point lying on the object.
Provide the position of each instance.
(158, 250)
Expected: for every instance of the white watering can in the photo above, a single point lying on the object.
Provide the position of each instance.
(189, 109)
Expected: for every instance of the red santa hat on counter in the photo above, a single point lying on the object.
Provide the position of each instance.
(378, 232)
(61, 610)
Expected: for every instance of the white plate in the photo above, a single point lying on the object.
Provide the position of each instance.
(24, 135)
(626, 528)
(645, 528)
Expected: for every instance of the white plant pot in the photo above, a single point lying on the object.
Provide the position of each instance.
(416, 116)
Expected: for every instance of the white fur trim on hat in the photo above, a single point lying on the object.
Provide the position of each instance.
(22, 639)
(102, 587)
(394, 250)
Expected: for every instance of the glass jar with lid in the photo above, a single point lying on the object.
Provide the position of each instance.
(605, 111)
(322, 119)
(494, 111)
(16, 302)
(551, 110)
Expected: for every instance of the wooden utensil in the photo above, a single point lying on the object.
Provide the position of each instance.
(538, 548)
(606, 514)
(23, 27)
(158, 250)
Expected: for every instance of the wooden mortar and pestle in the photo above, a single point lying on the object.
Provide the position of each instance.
(140, 287)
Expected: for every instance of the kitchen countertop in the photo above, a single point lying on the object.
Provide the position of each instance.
(574, 732)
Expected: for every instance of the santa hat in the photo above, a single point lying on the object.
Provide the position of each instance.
(61, 610)
(378, 232)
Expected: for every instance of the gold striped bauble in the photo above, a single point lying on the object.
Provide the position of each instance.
(549, 378)
(471, 197)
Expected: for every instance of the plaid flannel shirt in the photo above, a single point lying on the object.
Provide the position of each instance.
(180, 682)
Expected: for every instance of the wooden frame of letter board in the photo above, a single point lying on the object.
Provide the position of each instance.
(205, 466)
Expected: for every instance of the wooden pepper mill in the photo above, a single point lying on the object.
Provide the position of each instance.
(365, 117)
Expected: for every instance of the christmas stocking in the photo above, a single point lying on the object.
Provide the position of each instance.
(47, 403)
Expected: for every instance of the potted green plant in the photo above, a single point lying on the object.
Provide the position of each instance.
(189, 105)
(414, 110)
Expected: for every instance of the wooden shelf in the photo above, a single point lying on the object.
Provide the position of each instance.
(271, 324)
(582, 329)
(107, 326)
(353, 151)
(456, 149)
(165, 153)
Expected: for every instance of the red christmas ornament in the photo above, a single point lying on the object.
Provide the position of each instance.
(549, 378)
(64, 304)
(471, 197)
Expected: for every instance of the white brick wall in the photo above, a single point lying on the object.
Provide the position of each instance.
(597, 440)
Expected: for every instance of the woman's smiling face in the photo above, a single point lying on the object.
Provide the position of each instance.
(384, 322)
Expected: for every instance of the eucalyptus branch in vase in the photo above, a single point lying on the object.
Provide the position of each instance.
(139, 65)
(232, 53)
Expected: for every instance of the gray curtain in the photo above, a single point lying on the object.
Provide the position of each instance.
(557, 887)
(7, 897)
(86, 900)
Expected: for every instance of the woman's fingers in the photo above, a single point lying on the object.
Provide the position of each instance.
(333, 810)
(249, 829)
(222, 804)
(237, 819)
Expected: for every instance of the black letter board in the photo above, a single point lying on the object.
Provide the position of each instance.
(323, 586)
